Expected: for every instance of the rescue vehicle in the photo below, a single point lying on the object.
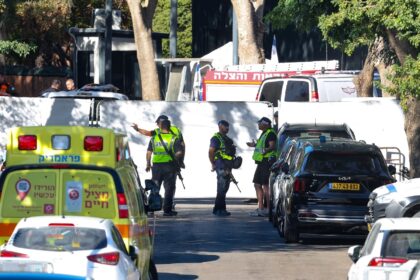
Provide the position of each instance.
(76, 171)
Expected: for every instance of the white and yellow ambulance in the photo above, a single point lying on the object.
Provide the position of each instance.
(76, 171)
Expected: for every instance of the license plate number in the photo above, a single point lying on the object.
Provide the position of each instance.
(345, 187)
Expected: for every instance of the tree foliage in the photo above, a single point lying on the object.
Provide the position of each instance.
(184, 31)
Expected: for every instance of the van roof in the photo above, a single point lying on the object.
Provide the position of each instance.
(64, 145)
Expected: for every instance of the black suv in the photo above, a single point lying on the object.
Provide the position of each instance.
(300, 130)
(326, 186)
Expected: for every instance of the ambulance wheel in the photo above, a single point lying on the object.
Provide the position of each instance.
(153, 275)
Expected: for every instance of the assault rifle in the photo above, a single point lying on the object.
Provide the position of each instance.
(174, 160)
(233, 180)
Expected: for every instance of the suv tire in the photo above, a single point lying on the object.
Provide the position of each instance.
(291, 234)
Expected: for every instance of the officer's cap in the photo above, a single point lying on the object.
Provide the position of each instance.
(224, 123)
(161, 118)
(265, 121)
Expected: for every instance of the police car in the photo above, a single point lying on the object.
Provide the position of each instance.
(401, 199)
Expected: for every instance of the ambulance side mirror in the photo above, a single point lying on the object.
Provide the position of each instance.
(154, 199)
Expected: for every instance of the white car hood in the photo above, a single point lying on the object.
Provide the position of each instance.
(400, 189)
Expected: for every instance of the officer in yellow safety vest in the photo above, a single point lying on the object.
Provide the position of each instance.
(264, 156)
(173, 129)
(166, 149)
(221, 154)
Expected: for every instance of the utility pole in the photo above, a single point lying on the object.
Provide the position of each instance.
(173, 28)
(105, 47)
(235, 38)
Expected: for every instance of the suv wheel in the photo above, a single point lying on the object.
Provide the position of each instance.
(291, 234)
(280, 223)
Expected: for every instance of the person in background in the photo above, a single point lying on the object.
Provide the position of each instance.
(166, 148)
(55, 86)
(221, 154)
(6, 89)
(264, 156)
(276, 122)
(70, 84)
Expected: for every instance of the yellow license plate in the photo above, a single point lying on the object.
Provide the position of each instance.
(345, 187)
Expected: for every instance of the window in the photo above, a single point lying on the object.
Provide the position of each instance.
(343, 163)
(370, 240)
(403, 244)
(271, 92)
(60, 238)
(297, 91)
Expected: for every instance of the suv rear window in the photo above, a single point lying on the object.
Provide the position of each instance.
(403, 244)
(338, 163)
(297, 91)
(60, 238)
(330, 134)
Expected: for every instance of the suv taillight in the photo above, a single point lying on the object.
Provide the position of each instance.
(299, 185)
(387, 262)
(122, 205)
(315, 96)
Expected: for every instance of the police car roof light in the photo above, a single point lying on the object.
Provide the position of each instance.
(94, 143)
(27, 142)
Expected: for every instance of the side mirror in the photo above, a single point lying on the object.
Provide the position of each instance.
(285, 168)
(354, 253)
(154, 200)
(133, 252)
(392, 170)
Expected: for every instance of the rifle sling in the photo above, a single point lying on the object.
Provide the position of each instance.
(167, 150)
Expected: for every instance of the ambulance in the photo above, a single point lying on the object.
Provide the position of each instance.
(77, 171)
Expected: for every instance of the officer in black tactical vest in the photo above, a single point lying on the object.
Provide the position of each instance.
(221, 154)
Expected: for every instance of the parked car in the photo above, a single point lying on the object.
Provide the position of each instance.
(387, 250)
(286, 152)
(74, 245)
(326, 187)
(400, 199)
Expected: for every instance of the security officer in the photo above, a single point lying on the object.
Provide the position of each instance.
(173, 129)
(166, 149)
(264, 156)
(6, 89)
(221, 154)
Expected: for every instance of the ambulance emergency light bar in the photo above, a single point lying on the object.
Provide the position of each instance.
(61, 142)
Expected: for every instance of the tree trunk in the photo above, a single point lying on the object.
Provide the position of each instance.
(142, 27)
(412, 129)
(377, 57)
(250, 30)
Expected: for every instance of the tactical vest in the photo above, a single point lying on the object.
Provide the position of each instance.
(173, 129)
(159, 153)
(258, 155)
(224, 152)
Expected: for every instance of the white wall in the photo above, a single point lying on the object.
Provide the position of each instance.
(378, 121)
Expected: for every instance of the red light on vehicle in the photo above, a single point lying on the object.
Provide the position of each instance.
(94, 143)
(387, 261)
(59, 166)
(10, 254)
(107, 258)
(61, 225)
(122, 205)
(27, 142)
(315, 96)
(299, 185)
(118, 154)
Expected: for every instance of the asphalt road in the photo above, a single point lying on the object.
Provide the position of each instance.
(198, 245)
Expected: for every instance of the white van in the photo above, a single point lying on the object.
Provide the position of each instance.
(308, 88)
